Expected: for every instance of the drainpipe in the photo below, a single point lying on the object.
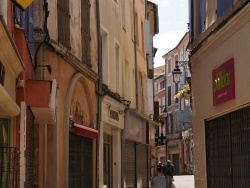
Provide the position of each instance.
(99, 99)
(135, 53)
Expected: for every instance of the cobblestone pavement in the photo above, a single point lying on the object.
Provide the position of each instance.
(184, 181)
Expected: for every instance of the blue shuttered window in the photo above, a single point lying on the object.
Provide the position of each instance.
(223, 5)
(25, 20)
(202, 15)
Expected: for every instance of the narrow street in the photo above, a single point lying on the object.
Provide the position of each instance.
(184, 181)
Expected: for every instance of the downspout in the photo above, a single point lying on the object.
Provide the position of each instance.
(135, 53)
(99, 89)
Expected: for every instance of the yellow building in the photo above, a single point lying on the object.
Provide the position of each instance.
(220, 88)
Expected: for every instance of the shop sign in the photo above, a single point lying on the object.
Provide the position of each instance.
(223, 82)
(23, 4)
(174, 146)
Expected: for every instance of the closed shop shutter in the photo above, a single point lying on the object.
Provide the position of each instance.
(227, 150)
(143, 164)
(80, 161)
(30, 149)
(129, 167)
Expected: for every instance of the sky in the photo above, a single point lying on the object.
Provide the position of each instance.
(173, 19)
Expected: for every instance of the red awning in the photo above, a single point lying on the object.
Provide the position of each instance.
(85, 131)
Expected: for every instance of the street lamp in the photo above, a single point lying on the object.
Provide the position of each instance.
(176, 73)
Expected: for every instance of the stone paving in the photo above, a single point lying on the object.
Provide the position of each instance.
(184, 181)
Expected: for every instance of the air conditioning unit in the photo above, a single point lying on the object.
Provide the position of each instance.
(42, 98)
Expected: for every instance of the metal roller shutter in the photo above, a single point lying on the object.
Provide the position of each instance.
(129, 167)
(80, 162)
(30, 149)
(143, 164)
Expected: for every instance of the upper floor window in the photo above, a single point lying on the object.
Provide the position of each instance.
(169, 66)
(223, 5)
(63, 19)
(169, 96)
(2, 73)
(203, 14)
(26, 21)
(85, 29)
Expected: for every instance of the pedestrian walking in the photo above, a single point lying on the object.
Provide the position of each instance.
(169, 173)
(159, 169)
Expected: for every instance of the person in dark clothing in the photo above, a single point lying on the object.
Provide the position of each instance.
(169, 173)
(159, 169)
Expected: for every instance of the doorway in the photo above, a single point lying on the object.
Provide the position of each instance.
(107, 161)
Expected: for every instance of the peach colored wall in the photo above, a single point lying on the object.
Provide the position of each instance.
(63, 72)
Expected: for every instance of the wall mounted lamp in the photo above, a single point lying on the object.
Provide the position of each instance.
(177, 72)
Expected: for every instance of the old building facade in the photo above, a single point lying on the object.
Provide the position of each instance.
(220, 79)
(179, 150)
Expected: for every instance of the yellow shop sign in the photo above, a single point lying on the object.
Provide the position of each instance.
(23, 4)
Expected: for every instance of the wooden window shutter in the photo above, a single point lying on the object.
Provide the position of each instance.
(63, 19)
(85, 30)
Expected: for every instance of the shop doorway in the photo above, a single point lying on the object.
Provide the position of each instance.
(228, 151)
(80, 161)
(176, 159)
(107, 161)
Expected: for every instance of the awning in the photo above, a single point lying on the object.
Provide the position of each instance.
(7, 104)
(85, 131)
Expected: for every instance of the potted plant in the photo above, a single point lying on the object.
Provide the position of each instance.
(184, 92)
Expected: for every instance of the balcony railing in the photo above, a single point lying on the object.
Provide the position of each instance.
(9, 167)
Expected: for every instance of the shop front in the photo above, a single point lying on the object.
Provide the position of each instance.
(221, 100)
(10, 68)
(112, 124)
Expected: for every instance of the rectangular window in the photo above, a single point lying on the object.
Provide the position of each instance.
(126, 79)
(123, 14)
(2, 73)
(159, 101)
(26, 21)
(141, 94)
(142, 36)
(169, 66)
(203, 15)
(176, 91)
(63, 22)
(222, 6)
(105, 62)
(136, 28)
(132, 19)
(169, 95)
(85, 30)
(117, 60)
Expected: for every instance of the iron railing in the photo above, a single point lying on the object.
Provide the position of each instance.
(9, 167)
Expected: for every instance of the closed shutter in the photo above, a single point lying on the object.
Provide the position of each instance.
(202, 15)
(85, 29)
(29, 29)
(63, 19)
(80, 161)
(129, 161)
(142, 160)
(176, 159)
(227, 150)
(30, 149)
(220, 7)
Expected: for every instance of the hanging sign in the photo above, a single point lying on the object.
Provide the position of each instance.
(223, 82)
(23, 4)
